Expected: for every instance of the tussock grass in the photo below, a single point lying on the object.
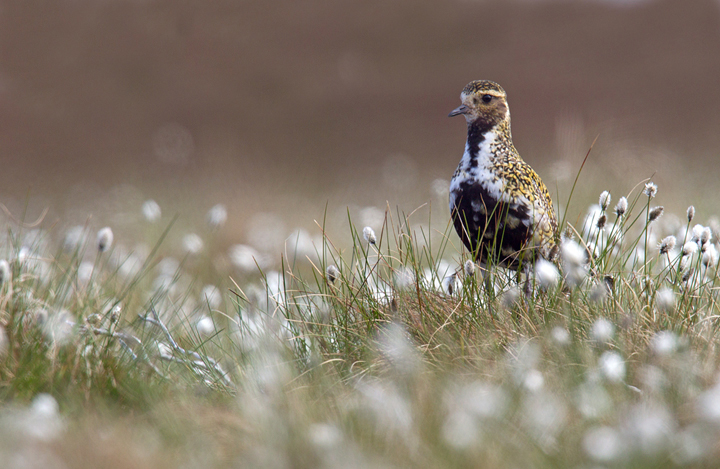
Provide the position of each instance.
(388, 348)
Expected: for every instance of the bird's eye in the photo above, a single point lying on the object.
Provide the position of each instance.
(487, 98)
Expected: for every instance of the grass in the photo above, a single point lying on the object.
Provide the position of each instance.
(385, 349)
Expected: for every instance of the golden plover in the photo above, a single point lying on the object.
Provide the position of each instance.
(500, 207)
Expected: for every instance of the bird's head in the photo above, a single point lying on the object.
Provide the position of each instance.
(484, 102)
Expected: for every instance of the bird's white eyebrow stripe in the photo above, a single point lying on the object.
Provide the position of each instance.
(491, 93)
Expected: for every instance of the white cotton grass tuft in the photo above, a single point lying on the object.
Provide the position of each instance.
(211, 296)
(75, 238)
(546, 274)
(332, 273)
(510, 297)
(599, 292)
(665, 300)
(689, 248)
(590, 225)
(696, 233)
(706, 235)
(690, 213)
(573, 259)
(41, 422)
(664, 343)
(533, 380)
(369, 235)
(205, 326)
(403, 277)
(246, 258)
(573, 253)
(605, 199)
(469, 268)
(601, 221)
(708, 404)
(655, 213)
(602, 331)
(84, 273)
(667, 244)
(325, 436)
(710, 256)
(216, 217)
(650, 189)
(104, 239)
(621, 207)
(560, 336)
(612, 366)
(192, 243)
(4, 271)
(151, 211)
(58, 326)
(394, 342)
(603, 444)
(450, 284)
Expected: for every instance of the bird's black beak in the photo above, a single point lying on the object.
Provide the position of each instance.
(459, 110)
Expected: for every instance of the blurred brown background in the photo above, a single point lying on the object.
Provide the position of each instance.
(284, 106)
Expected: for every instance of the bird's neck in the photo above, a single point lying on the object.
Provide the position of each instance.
(487, 143)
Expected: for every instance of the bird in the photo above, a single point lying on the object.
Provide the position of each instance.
(499, 206)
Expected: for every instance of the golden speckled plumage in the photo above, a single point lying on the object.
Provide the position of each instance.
(501, 209)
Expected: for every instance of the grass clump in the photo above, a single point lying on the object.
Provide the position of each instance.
(390, 349)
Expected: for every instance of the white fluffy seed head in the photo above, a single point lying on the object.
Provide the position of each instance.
(667, 244)
(4, 271)
(706, 235)
(710, 256)
(104, 239)
(510, 297)
(560, 336)
(612, 366)
(664, 343)
(601, 221)
(151, 211)
(369, 235)
(621, 207)
(210, 296)
(605, 199)
(469, 268)
(332, 273)
(573, 258)
(650, 189)
(655, 213)
(192, 243)
(205, 326)
(603, 444)
(546, 274)
(84, 273)
(216, 217)
(75, 238)
(690, 213)
(599, 292)
(602, 330)
(665, 300)
(697, 233)
(572, 252)
(687, 275)
(449, 284)
(689, 248)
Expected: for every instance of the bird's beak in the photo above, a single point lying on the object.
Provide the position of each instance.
(459, 110)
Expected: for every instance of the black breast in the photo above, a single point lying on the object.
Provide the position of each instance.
(482, 224)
